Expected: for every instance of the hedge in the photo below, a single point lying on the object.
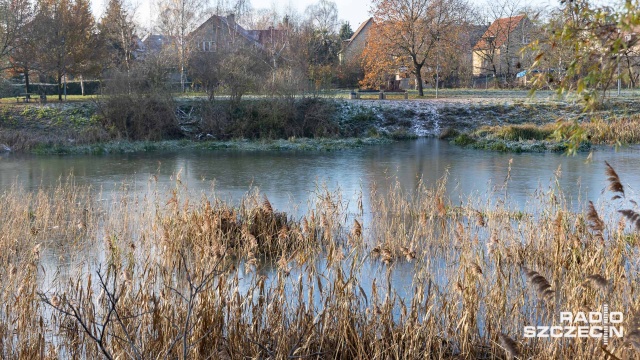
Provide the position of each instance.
(91, 87)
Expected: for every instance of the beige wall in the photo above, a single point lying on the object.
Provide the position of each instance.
(355, 48)
(518, 39)
(215, 34)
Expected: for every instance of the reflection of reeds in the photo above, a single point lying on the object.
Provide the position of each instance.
(210, 279)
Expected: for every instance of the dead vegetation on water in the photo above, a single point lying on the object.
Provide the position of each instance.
(196, 279)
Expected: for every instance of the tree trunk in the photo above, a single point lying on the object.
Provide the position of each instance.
(26, 80)
(495, 75)
(182, 78)
(59, 86)
(419, 79)
(631, 77)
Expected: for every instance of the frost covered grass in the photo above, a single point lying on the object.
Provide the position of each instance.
(497, 123)
(598, 129)
(292, 144)
(182, 276)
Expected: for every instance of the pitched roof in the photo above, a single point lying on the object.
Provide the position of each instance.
(156, 42)
(498, 31)
(360, 28)
(229, 22)
(268, 36)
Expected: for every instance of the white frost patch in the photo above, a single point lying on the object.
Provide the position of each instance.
(422, 115)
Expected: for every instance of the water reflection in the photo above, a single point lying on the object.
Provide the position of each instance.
(293, 176)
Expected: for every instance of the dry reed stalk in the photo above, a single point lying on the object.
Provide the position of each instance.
(357, 229)
(599, 281)
(595, 222)
(543, 288)
(480, 219)
(632, 336)
(476, 269)
(632, 216)
(509, 345)
(615, 185)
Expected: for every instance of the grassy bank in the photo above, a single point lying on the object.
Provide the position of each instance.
(616, 122)
(610, 131)
(513, 138)
(185, 278)
(125, 124)
(146, 122)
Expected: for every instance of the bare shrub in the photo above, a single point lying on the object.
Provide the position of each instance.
(137, 108)
(276, 118)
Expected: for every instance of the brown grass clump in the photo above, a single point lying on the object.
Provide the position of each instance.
(222, 229)
(171, 276)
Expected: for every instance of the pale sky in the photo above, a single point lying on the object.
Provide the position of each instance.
(353, 11)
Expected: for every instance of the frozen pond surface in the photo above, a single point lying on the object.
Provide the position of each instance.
(291, 177)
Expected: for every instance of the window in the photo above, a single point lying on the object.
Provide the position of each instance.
(207, 46)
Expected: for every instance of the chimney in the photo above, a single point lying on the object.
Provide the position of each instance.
(231, 20)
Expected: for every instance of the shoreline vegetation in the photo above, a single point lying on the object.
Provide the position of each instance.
(210, 279)
(139, 123)
(292, 144)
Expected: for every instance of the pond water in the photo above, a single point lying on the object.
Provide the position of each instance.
(292, 177)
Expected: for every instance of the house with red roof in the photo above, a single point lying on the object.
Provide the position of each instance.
(498, 52)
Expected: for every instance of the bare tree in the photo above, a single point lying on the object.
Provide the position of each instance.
(14, 15)
(65, 38)
(177, 19)
(24, 54)
(205, 69)
(109, 324)
(243, 69)
(323, 15)
(99, 323)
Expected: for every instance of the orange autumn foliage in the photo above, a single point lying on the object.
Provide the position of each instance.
(411, 34)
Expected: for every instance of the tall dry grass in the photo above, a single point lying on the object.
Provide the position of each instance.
(415, 276)
(619, 129)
